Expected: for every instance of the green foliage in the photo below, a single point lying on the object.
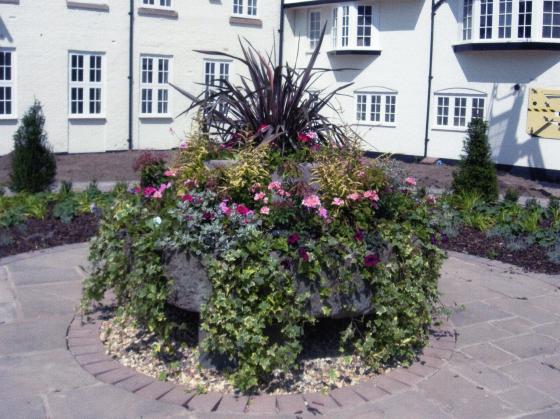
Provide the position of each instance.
(477, 172)
(511, 195)
(151, 169)
(33, 163)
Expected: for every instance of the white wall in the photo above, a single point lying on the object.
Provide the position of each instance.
(43, 33)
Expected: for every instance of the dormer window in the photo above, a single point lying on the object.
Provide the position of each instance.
(353, 26)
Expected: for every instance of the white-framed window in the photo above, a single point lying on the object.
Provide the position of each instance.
(240, 9)
(486, 18)
(467, 19)
(155, 73)
(215, 72)
(525, 19)
(353, 25)
(505, 18)
(377, 108)
(551, 19)
(86, 79)
(455, 111)
(314, 28)
(157, 3)
(7, 83)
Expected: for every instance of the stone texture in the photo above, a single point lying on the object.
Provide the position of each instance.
(516, 325)
(33, 336)
(155, 390)
(291, 403)
(489, 355)
(191, 287)
(527, 398)
(22, 408)
(204, 402)
(319, 403)
(262, 405)
(537, 374)
(526, 346)
(345, 396)
(479, 333)
(235, 404)
(477, 312)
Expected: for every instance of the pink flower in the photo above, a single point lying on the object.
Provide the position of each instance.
(170, 173)
(311, 201)
(265, 210)
(225, 209)
(187, 197)
(263, 128)
(303, 137)
(274, 186)
(149, 191)
(323, 213)
(183, 146)
(431, 199)
(157, 194)
(242, 209)
(260, 196)
(354, 196)
(371, 195)
(410, 181)
(338, 202)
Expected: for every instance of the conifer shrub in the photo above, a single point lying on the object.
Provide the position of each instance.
(477, 172)
(33, 162)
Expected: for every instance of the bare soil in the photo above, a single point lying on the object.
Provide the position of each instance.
(110, 166)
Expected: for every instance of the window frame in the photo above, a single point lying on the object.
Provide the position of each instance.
(554, 13)
(153, 87)
(86, 85)
(312, 42)
(378, 108)
(157, 4)
(241, 8)
(12, 84)
(452, 115)
(347, 26)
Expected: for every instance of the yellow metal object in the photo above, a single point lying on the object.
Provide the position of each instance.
(543, 113)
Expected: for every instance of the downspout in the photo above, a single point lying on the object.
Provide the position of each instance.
(281, 35)
(435, 7)
(130, 73)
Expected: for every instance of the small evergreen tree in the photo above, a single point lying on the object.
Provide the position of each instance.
(477, 172)
(33, 163)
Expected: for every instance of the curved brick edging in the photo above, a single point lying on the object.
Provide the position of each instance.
(84, 343)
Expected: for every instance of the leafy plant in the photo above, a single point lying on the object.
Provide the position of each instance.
(33, 163)
(477, 172)
(276, 105)
(151, 169)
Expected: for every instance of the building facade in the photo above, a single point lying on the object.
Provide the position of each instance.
(496, 59)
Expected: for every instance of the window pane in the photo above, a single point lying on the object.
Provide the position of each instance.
(252, 7)
(5, 66)
(163, 71)
(460, 112)
(361, 107)
(314, 28)
(443, 111)
(146, 101)
(147, 69)
(467, 19)
(525, 19)
(478, 108)
(504, 27)
(551, 19)
(375, 109)
(162, 101)
(390, 108)
(345, 25)
(486, 15)
(238, 7)
(77, 69)
(209, 73)
(95, 68)
(365, 20)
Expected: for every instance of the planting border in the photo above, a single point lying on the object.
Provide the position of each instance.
(84, 343)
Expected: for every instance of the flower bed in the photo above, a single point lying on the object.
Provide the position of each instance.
(275, 242)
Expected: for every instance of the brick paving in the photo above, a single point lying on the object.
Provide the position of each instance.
(498, 356)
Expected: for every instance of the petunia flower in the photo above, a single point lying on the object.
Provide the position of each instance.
(303, 254)
(265, 210)
(323, 213)
(371, 195)
(371, 261)
(187, 198)
(359, 236)
(410, 181)
(311, 201)
(338, 202)
(259, 196)
(293, 239)
(354, 196)
(225, 209)
(242, 209)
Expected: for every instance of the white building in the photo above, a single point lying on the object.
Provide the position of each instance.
(489, 56)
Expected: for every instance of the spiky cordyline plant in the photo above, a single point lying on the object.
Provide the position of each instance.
(273, 105)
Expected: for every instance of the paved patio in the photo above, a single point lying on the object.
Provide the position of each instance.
(505, 362)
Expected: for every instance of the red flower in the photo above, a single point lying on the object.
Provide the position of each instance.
(371, 261)
(293, 239)
(359, 236)
(303, 254)
(242, 209)
(187, 197)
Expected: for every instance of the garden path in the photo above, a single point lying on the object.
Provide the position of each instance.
(504, 361)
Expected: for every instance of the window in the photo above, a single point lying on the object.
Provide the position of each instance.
(345, 25)
(525, 19)
(365, 21)
(460, 112)
(443, 111)
(215, 72)
(239, 8)
(161, 3)
(353, 26)
(551, 19)
(467, 19)
(314, 28)
(154, 88)
(504, 20)
(456, 111)
(486, 14)
(382, 108)
(7, 93)
(86, 84)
